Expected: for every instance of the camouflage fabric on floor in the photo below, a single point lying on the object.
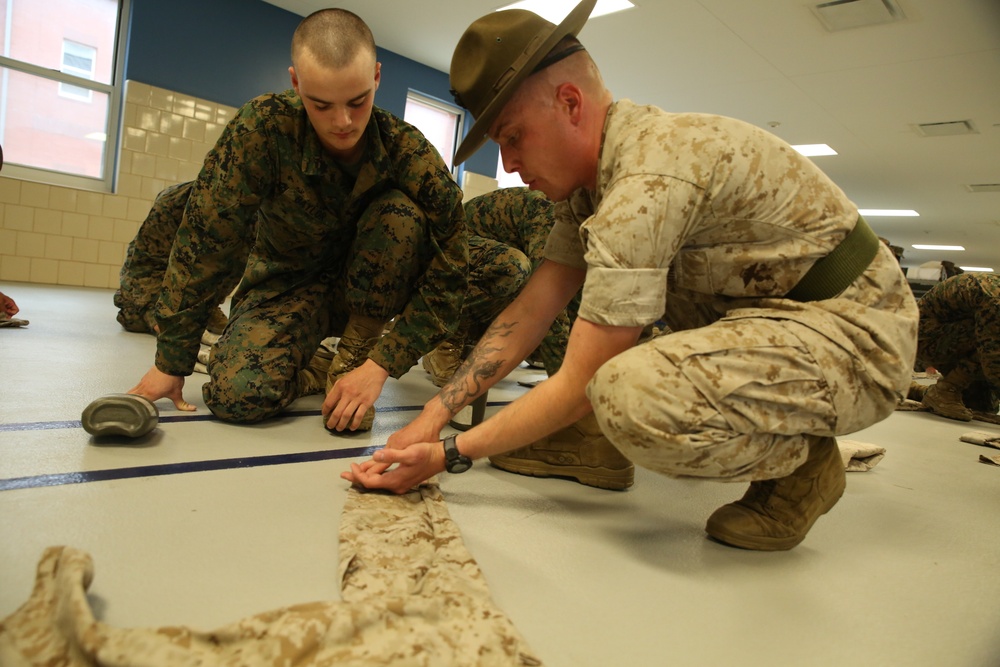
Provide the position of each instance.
(412, 595)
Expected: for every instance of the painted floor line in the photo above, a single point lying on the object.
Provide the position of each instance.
(61, 479)
(168, 419)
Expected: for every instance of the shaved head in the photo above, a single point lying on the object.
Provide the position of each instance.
(333, 37)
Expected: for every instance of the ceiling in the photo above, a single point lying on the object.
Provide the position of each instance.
(773, 63)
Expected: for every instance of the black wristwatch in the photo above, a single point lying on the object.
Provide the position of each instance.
(454, 461)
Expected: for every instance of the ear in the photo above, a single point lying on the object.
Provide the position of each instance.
(569, 100)
(295, 79)
(378, 75)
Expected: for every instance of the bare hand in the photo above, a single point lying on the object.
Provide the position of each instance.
(413, 465)
(421, 429)
(346, 404)
(8, 306)
(156, 384)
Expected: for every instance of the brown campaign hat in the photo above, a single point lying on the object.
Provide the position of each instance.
(495, 55)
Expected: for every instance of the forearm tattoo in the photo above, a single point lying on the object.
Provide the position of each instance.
(480, 365)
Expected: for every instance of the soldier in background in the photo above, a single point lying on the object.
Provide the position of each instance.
(790, 322)
(141, 276)
(358, 222)
(519, 220)
(959, 336)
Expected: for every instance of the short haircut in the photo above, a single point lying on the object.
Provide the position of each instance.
(334, 37)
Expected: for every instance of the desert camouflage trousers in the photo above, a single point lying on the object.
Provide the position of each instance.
(411, 595)
(736, 397)
(254, 365)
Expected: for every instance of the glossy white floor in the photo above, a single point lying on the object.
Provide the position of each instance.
(204, 523)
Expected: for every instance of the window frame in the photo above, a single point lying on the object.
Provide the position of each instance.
(115, 95)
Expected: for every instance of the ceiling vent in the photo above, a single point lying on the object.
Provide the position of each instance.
(846, 14)
(948, 129)
(983, 187)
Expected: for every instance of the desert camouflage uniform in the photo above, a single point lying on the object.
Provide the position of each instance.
(382, 238)
(712, 221)
(522, 219)
(960, 328)
(146, 261)
(412, 595)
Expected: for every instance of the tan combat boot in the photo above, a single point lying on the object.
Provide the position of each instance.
(311, 380)
(776, 514)
(916, 391)
(442, 362)
(217, 321)
(580, 451)
(945, 397)
(359, 337)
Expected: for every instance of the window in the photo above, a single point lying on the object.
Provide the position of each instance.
(77, 59)
(440, 122)
(60, 89)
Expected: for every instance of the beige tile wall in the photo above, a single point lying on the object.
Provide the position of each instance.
(63, 236)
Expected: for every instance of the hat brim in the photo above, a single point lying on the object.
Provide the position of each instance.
(476, 137)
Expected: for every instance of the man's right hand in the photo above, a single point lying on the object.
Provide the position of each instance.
(156, 384)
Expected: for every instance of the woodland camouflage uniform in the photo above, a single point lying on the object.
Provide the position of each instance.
(141, 276)
(522, 219)
(382, 238)
(960, 335)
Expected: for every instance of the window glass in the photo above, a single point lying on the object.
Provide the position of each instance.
(35, 30)
(78, 59)
(59, 94)
(440, 123)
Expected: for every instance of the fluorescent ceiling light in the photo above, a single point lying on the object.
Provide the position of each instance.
(938, 247)
(983, 269)
(889, 213)
(556, 10)
(812, 150)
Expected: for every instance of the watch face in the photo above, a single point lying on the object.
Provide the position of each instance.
(458, 466)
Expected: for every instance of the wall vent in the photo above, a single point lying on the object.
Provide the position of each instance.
(983, 187)
(948, 129)
(846, 14)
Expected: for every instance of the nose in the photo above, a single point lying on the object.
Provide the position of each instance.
(341, 119)
(510, 164)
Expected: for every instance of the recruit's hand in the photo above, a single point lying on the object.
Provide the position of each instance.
(156, 384)
(7, 305)
(346, 404)
(413, 465)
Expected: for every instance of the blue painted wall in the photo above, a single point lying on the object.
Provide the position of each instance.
(229, 51)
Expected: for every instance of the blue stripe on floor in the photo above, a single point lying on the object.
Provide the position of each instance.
(75, 423)
(61, 479)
